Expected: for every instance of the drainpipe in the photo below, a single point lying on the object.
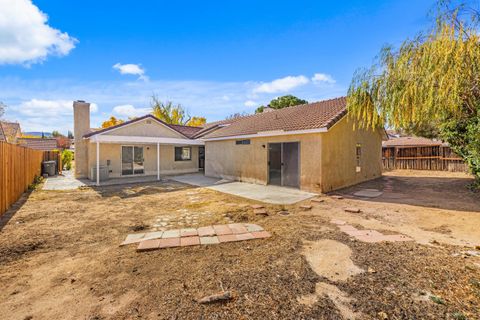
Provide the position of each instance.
(158, 161)
(98, 163)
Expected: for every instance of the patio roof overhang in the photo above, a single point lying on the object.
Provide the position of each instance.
(103, 138)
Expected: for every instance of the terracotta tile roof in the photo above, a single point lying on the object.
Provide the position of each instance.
(322, 114)
(212, 126)
(411, 142)
(187, 131)
(11, 130)
(38, 143)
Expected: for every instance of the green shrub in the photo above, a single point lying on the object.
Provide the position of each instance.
(67, 157)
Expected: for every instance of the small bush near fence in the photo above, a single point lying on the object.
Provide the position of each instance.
(67, 157)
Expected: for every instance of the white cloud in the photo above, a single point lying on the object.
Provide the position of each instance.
(41, 99)
(281, 85)
(49, 108)
(322, 78)
(25, 36)
(130, 68)
(128, 110)
(46, 115)
(250, 103)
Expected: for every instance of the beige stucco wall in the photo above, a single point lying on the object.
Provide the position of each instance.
(168, 165)
(339, 155)
(248, 163)
(327, 160)
(146, 128)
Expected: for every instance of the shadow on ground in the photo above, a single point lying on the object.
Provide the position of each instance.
(424, 191)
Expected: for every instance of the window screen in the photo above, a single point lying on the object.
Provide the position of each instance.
(183, 153)
(247, 141)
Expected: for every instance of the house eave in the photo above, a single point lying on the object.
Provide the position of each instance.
(268, 134)
(103, 138)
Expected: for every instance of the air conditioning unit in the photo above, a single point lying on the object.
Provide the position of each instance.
(104, 173)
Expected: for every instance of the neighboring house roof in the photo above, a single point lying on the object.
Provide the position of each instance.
(322, 114)
(411, 142)
(187, 131)
(11, 131)
(38, 143)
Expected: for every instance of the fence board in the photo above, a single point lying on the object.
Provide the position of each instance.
(439, 158)
(18, 168)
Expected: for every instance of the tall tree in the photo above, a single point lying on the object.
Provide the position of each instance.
(282, 102)
(56, 133)
(433, 79)
(112, 121)
(174, 113)
(197, 121)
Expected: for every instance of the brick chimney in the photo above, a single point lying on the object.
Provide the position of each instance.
(81, 126)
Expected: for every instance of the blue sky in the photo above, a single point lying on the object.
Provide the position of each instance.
(214, 57)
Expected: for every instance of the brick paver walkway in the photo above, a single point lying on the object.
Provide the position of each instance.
(371, 236)
(202, 236)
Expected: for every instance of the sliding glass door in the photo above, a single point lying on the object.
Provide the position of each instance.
(132, 160)
(284, 164)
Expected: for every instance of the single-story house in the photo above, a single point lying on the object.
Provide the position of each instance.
(313, 147)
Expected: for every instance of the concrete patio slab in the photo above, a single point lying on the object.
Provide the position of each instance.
(189, 241)
(368, 193)
(267, 194)
(209, 240)
(153, 235)
(228, 238)
(209, 235)
(253, 227)
(66, 181)
(149, 245)
(198, 179)
(171, 234)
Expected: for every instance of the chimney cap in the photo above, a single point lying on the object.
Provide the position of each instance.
(83, 101)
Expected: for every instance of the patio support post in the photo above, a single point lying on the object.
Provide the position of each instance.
(98, 163)
(158, 161)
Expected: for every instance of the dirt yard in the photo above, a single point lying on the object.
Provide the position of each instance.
(60, 256)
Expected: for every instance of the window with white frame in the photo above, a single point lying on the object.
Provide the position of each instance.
(183, 153)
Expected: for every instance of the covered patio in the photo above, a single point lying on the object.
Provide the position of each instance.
(135, 162)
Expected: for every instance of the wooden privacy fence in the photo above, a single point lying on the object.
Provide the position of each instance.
(440, 158)
(18, 168)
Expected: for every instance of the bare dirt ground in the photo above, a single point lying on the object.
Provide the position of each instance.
(60, 256)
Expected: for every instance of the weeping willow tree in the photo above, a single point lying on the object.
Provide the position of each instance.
(432, 80)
